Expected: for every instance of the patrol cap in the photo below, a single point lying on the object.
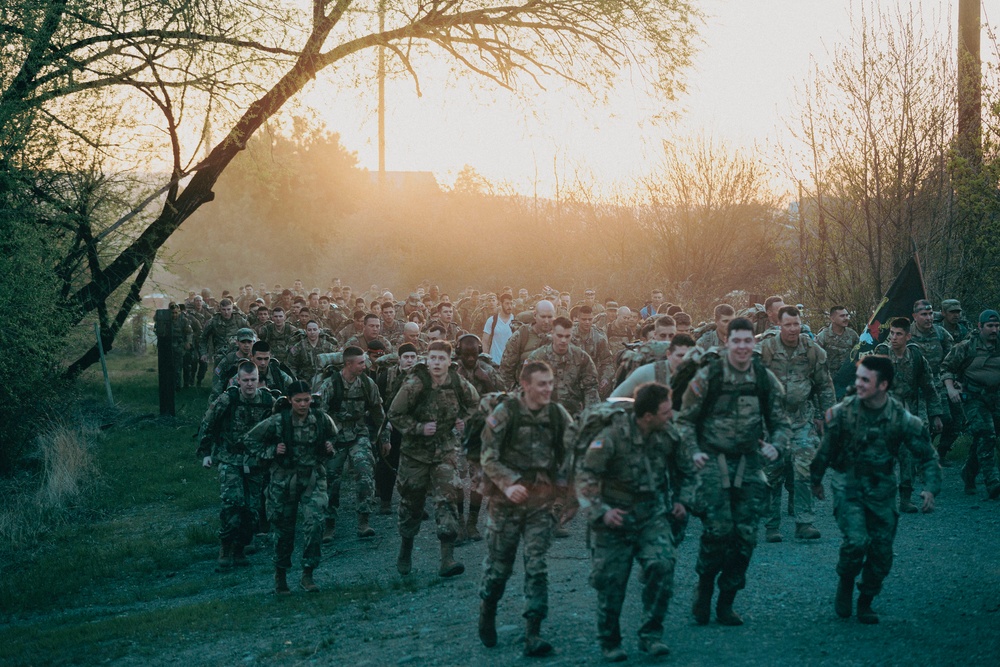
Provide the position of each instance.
(989, 316)
(950, 306)
(246, 334)
(921, 305)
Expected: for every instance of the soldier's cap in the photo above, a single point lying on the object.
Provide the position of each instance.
(611, 304)
(989, 316)
(246, 334)
(950, 306)
(921, 305)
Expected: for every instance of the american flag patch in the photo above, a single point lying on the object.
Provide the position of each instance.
(695, 387)
(492, 421)
(597, 444)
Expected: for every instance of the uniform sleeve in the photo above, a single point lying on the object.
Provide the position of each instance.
(822, 385)
(687, 418)
(262, 439)
(509, 362)
(493, 436)
(829, 449)
(591, 469)
(953, 364)
(929, 391)
(400, 411)
(211, 424)
(918, 441)
(781, 429)
(470, 399)
(604, 361)
(375, 409)
(685, 479)
(588, 382)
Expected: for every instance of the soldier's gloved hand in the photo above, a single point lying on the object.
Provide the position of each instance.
(937, 425)
(516, 493)
(928, 505)
(206, 462)
(769, 451)
(679, 511)
(614, 518)
(699, 460)
(818, 492)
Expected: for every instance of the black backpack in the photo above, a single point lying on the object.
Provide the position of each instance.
(692, 364)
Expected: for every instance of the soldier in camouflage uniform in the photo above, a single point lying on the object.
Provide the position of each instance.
(199, 316)
(526, 340)
(446, 318)
(972, 369)
(430, 410)
(389, 378)
(838, 340)
(219, 330)
(620, 330)
(723, 416)
(297, 443)
(595, 344)
(354, 402)
(392, 328)
(952, 320)
(226, 368)
(526, 458)
(862, 439)
(181, 341)
(576, 374)
(279, 334)
(800, 365)
(724, 314)
(626, 482)
(369, 334)
(305, 356)
(935, 343)
(660, 371)
(241, 475)
(912, 385)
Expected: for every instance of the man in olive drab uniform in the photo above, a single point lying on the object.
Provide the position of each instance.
(279, 334)
(371, 332)
(429, 410)
(952, 320)
(526, 340)
(625, 482)
(935, 343)
(181, 342)
(219, 330)
(838, 340)
(526, 458)
(973, 369)
(225, 369)
(620, 330)
(723, 315)
(353, 400)
(913, 387)
(575, 372)
(389, 379)
(305, 356)
(296, 442)
(862, 439)
(241, 475)
(392, 328)
(725, 410)
(595, 344)
(800, 365)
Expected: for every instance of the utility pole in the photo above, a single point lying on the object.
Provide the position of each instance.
(970, 93)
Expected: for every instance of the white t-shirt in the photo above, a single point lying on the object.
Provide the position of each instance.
(500, 336)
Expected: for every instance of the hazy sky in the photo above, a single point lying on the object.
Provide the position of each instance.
(753, 55)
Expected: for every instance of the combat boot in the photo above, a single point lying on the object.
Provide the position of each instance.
(844, 601)
(239, 557)
(905, 504)
(471, 528)
(225, 561)
(307, 583)
(364, 530)
(534, 645)
(281, 582)
(866, 614)
(385, 508)
(404, 562)
(654, 647)
(806, 531)
(488, 623)
(614, 654)
(449, 566)
(724, 609)
(328, 530)
(701, 608)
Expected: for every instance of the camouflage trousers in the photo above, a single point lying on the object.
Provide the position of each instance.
(983, 413)
(415, 480)
(359, 453)
(868, 523)
(506, 524)
(650, 544)
(240, 492)
(289, 488)
(730, 518)
(793, 462)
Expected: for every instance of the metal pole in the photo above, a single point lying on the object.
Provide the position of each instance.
(104, 364)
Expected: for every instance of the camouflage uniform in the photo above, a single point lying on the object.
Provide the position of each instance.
(362, 342)
(838, 351)
(430, 463)
(935, 345)
(733, 493)
(297, 478)
(575, 377)
(198, 319)
(224, 371)
(708, 340)
(241, 474)
(914, 387)
(522, 342)
(959, 331)
(802, 371)
(181, 340)
(304, 357)
(535, 459)
(624, 469)
(358, 417)
(976, 365)
(393, 332)
(861, 445)
(596, 345)
(218, 332)
(280, 341)
(618, 334)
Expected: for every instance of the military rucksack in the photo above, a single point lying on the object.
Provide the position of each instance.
(696, 360)
(472, 439)
(424, 375)
(283, 406)
(596, 418)
(632, 357)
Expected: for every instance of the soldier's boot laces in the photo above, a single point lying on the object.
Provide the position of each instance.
(701, 608)
(844, 601)
(654, 647)
(307, 583)
(866, 614)
(365, 530)
(905, 503)
(534, 645)
(239, 557)
(614, 654)
(225, 561)
(281, 581)
(449, 566)
(724, 609)
(806, 531)
(404, 562)
(328, 530)
(488, 623)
